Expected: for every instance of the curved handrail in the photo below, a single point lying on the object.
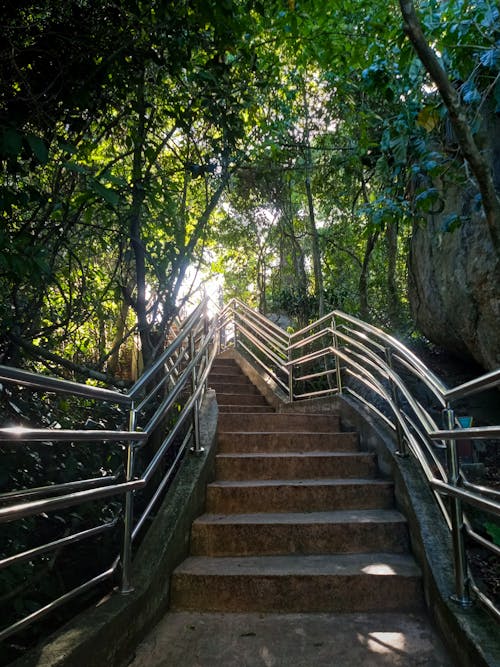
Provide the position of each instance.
(184, 364)
(328, 355)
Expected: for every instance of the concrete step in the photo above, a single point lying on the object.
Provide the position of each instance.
(301, 495)
(226, 366)
(234, 388)
(241, 399)
(232, 378)
(272, 534)
(318, 583)
(245, 408)
(297, 465)
(287, 442)
(284, 422)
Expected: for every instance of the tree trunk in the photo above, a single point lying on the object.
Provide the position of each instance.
(393, 304)
(316, 252)
(121, 323)
(458, 117)
(364, 310)
(138, 195)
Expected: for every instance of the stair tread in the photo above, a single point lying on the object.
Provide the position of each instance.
(370, 564)
(287, 433)
(293, 454)
(305, 518)
(323, 481)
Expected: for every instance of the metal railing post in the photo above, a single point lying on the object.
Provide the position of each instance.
(196, 448)
(205, 337)
(462, 593)
(290, 376)
(402, 449)
(235, 338)
(338, 371)
(128, 519)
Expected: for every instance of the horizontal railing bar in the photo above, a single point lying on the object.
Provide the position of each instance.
(271, 325)
(425, 380)
(18, 435)
(256, 325)
(326, 318)
(161, 486)
(312, 376)
(70, 595)
(372, 407)
(468, 497)
(183, 334)
(35, 507)
(482, 541)
(486, 381)
(393, 342)
(56, 544)
(245, 323)
(58, 488)
(481, 489)
(268, 370)
(312, 338)
(53, 384)
(361, 335)
(268, 353)
(485, 601)
(306, 358)
(181, 382)
(320, 392)
(474, 433)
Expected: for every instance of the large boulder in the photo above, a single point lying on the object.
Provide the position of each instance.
(454, 282)
(454, 276)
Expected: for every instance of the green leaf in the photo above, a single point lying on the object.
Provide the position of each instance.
(428, 118)
(38, 148)
(451, 222)
(490, 57)
(493, 531)
(11, 142)
(109, 195)
(78, 168)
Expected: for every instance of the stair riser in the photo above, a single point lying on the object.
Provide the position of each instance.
(279, 498)
(231, 378)
(287, 442)
(279, 422)
(296, 593)
(234, 388)
(354, 466)
(241, 399)
(245, 408)
(279, 539)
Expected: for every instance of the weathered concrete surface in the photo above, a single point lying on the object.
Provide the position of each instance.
(106, 634)
(299, 583)
(292, 640)
(273, 534)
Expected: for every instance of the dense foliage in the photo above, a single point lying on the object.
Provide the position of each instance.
(286, 146)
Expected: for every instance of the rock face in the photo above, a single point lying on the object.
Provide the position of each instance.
(454, 277)
(454, 284)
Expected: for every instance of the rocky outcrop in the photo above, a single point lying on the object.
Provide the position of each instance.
(454, 276)
(454, 283)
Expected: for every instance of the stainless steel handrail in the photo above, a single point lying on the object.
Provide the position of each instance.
(379, 364)
(27, 379)
(193, 350)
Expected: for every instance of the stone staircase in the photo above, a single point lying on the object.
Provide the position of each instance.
(297, 519)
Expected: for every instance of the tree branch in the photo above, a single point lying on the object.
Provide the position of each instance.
(478, 165)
